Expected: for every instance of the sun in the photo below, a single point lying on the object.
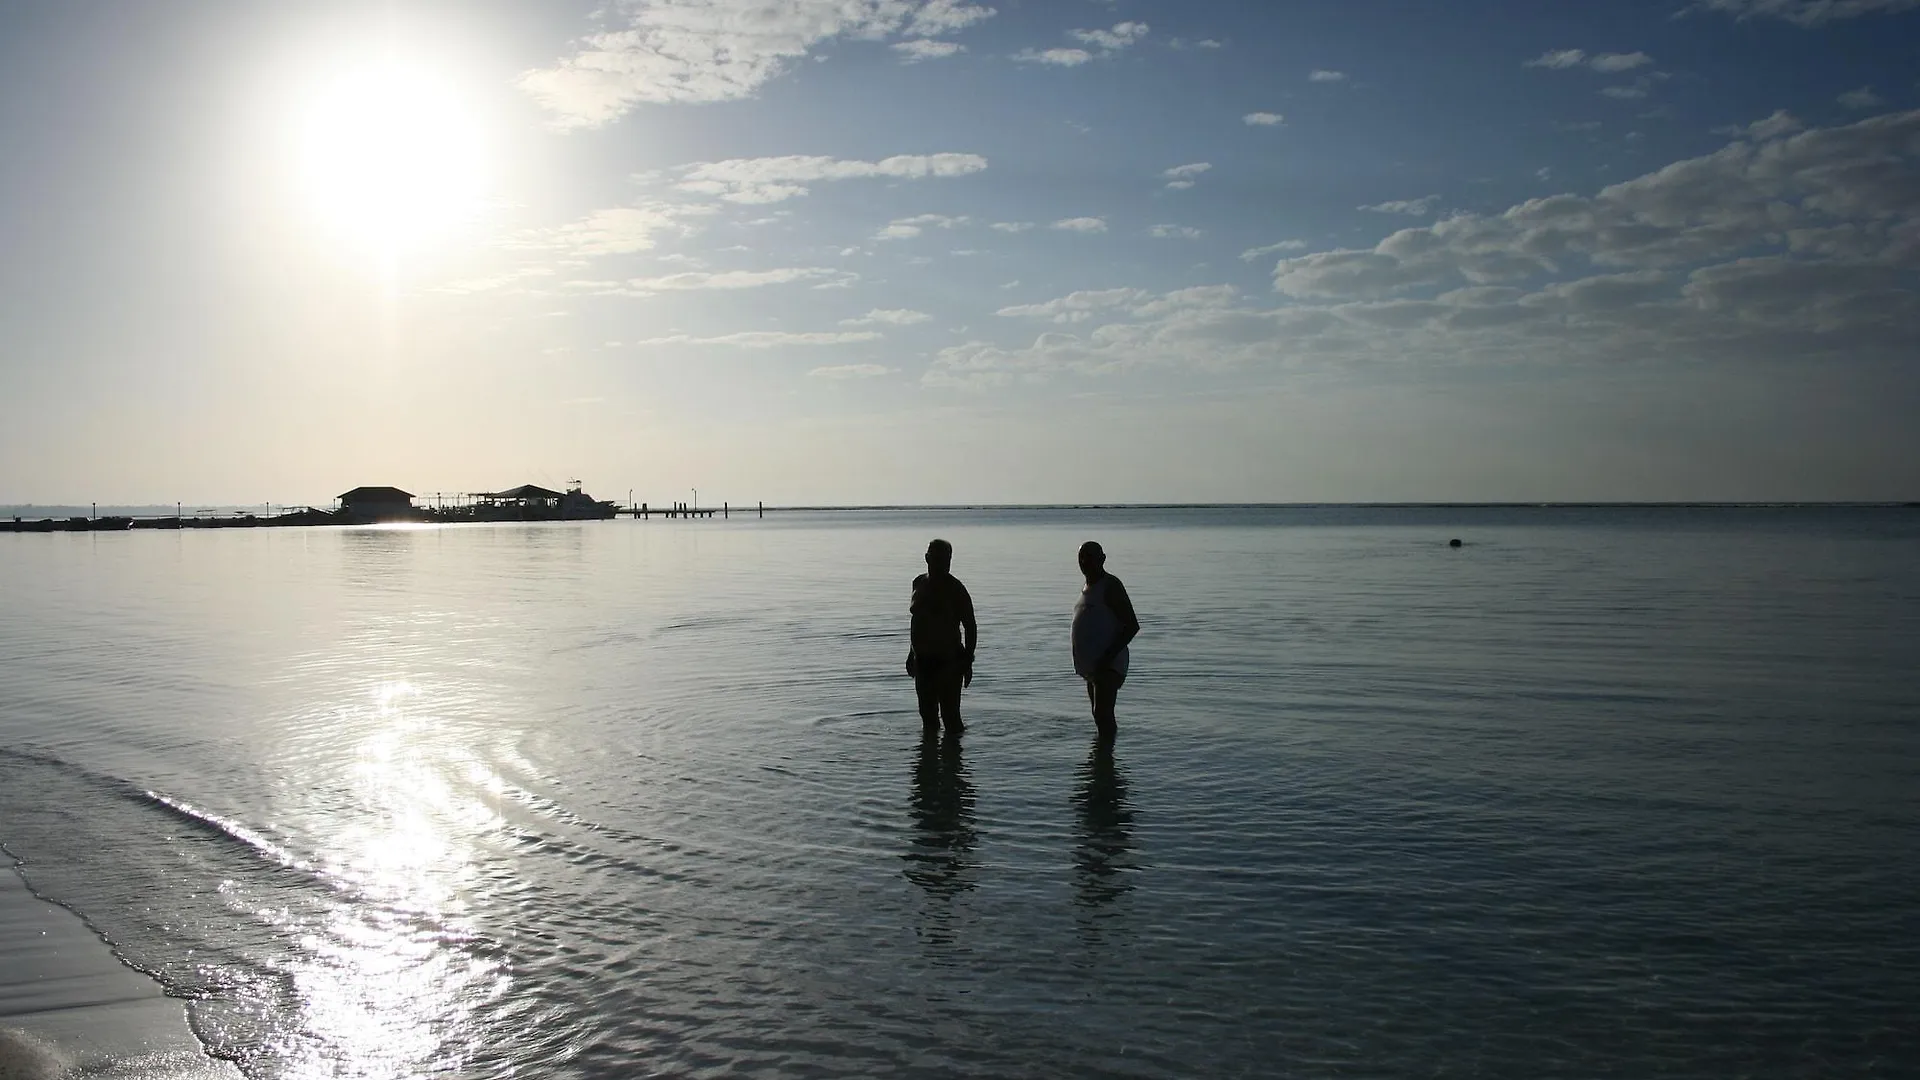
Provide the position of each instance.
(391, 158)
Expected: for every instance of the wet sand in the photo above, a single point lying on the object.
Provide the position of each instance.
(68, 1006)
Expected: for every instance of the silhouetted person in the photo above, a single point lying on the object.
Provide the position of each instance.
(943, 636)
(1103, 623)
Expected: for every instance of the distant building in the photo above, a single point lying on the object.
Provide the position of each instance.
(528, 497)
(364, 505)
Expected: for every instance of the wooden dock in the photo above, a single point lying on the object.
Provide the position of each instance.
(307, 515)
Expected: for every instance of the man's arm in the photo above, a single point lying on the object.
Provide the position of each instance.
(1122, 605)
(970, 632)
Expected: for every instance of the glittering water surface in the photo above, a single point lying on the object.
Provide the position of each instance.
(1601, 793)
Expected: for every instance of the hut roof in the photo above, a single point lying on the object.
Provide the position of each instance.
(376, 494)
(526, 491)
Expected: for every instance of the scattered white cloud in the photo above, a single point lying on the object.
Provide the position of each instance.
(767, 339)
(1419, 207)
(1056, 57)
(1323, 75)
(1558, 59)
(1121, 36)
(1780, 123)
(936, 17)
(909, 227)
(1175, 232)
(1077, 306)
(919, 49)
(1081, 224)
(620, 230)
(1104, 43)
(1611, 63)
(731, 279)
(888, 317)
(774, 179)
(1263, 119)
(1863, 98)
(1605, 63)
(1799, 245)
(1181, 177)
(1011, 226)
(851, 371)
(666, 51)
(1807, 13)
(1635, 90)
(1285, 245)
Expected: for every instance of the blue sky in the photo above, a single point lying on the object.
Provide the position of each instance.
(857, 251)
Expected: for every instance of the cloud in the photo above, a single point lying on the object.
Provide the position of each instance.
(920, 49)
(1011, 226)
(667, 51)
(1558, 59)
(1323, 75)
(1419, 207)
(1735, 202)
(1806, 13)
(888, 317)
(1285, 245)
(691, 280)
(1121, 36)
(1075, 307)
(1105, 43)
(1795, 246)
(1081, 224)
(774, 179)
(1604, 63)
(766, 339)
(1610, 63)
(620, 230)
(936, 17)
(1056, 57)
(850, 371)
(1780, 123)
(1181, 177)
(1637, 89)
(1174, 232)
(909, 227)
(1863, 98)
(1263, 119)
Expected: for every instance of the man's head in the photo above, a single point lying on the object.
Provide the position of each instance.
(1092, 558)
(939, 556)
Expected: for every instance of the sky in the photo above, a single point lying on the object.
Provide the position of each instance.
(945, 251)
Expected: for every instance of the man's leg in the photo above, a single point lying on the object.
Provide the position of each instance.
(1105, 690)
(950, 702)
(927, 688)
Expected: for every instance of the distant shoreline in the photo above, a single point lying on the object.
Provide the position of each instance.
(64, 510)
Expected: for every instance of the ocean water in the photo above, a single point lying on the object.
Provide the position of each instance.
(1602, 792)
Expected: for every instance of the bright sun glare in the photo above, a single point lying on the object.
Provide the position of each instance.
(392, 158)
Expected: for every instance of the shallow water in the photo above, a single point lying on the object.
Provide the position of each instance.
(1602, 792)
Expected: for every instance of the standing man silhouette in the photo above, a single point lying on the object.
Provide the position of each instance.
(942, 637)
(1103, 623)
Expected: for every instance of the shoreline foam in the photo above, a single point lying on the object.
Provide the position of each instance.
(69, 1006)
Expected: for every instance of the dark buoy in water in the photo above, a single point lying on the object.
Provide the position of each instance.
(1455, 542)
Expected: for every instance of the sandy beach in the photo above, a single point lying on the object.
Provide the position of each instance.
(68, 1006)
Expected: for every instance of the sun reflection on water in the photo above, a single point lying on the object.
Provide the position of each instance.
(389, 982)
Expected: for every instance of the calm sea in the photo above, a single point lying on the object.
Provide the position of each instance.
(1608, 792)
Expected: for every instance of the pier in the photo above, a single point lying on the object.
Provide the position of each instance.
(386, 505)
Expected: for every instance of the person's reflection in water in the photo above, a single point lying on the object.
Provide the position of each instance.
(1103, 859)
(940, 858)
